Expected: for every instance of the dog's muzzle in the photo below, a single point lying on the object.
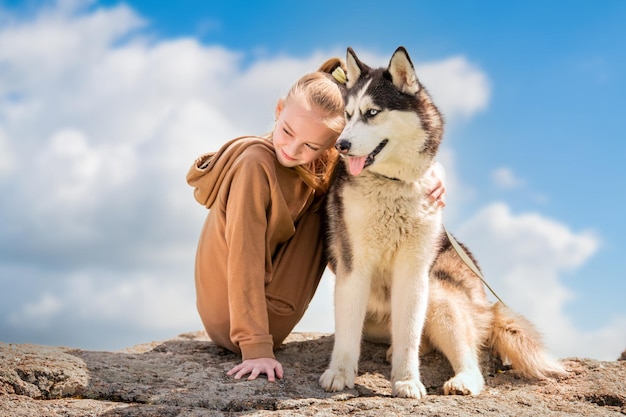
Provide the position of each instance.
(344, 145)
(356, 164)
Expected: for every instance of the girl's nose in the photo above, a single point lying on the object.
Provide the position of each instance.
(293, 148)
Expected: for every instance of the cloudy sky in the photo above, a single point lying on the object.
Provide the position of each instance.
(104, 106)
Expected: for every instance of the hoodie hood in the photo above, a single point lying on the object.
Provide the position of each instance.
(209, 171)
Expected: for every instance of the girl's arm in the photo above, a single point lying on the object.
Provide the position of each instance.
(246, 229)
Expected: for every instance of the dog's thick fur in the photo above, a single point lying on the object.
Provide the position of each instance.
(398, 278)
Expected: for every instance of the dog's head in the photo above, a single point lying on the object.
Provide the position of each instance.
(392, 126)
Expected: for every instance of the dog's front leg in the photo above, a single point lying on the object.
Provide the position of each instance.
(351, 296)
(409, 299)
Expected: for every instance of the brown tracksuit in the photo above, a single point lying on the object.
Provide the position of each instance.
(260, 255)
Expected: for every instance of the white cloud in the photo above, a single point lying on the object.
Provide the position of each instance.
(505, 178)
(524, 258)
(93, 308)
(7, 159)
(143, 301)
(39, 50)
(37, 314)
(458, 87)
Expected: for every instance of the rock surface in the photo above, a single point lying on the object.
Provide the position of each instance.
(186, 376)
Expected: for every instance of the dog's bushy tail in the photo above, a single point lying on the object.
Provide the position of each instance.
(516, 340)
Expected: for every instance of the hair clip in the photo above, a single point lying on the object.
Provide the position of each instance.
(339, 75)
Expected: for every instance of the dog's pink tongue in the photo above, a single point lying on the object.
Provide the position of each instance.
(357, 163)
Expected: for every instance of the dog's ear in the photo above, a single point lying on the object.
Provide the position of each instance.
(402, 72)
(355, 68)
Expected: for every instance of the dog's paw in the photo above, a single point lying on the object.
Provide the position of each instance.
(409, 389)
(465, 383)
(337, 379)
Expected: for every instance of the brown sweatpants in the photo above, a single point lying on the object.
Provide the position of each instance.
(298, 265)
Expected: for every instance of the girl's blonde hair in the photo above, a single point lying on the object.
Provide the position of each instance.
(322, 91)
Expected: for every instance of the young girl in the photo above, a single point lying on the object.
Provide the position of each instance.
(260, 256)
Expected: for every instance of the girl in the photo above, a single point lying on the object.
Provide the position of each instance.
(260, 256)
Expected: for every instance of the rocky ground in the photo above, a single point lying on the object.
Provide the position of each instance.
(186, 376)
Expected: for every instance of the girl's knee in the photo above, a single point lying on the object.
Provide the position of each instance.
(222, 339)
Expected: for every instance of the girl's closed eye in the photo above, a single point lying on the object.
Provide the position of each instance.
(313, 147)
(288, 133)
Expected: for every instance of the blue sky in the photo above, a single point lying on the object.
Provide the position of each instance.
(104, 105)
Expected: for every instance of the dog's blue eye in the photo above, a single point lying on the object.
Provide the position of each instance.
(348, 116)
(371, 113)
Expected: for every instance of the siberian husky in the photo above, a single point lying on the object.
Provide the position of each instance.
(398, 278)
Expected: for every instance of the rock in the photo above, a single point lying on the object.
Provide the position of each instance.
(186, 376)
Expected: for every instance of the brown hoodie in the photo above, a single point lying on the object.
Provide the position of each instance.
(259, 257)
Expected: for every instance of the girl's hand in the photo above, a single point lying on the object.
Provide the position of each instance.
(268, 366)
(438, 193)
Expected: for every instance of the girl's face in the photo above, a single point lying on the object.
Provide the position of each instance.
(300, 136)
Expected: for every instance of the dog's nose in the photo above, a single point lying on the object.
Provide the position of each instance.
(343, 146)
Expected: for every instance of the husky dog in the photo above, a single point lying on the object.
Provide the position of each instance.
(398, 278)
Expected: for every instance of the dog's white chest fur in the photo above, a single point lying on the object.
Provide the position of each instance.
(384, 214)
